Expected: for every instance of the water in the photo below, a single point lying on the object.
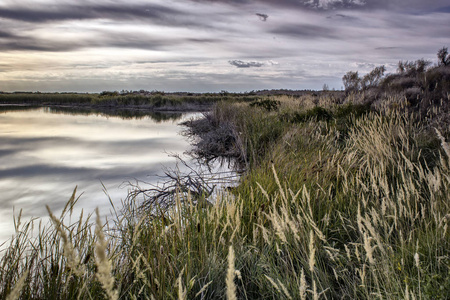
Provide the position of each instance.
(45, 153)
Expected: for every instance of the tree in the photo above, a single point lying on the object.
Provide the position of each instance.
(351, 81)
(401, 67)
(421, 65)
(413, 68)
(373, 78)
(443, 57)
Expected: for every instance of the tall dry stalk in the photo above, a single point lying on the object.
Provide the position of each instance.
(231, 273)
(15, 293)
(103, 263)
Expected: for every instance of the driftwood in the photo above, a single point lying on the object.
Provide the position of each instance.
(198, 183)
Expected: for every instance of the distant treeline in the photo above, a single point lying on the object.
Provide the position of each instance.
(155, 100)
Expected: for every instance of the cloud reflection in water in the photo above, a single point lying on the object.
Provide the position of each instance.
(44, 155)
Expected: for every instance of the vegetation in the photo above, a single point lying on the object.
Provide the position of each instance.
(114, 100)
(342, 197)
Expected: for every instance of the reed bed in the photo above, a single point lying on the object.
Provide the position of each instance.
(143, 99)
(337, 203)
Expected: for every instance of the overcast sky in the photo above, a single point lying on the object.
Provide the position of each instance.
(210, 45)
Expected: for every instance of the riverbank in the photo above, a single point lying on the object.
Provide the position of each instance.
(342, 198)
(338, 201)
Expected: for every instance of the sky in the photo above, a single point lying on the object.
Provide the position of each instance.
(210, 45)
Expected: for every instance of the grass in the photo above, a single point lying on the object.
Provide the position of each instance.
(150, 100)
(346, 206)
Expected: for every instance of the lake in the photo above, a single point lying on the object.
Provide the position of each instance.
(45, 153)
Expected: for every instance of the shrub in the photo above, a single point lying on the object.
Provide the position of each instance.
(317, 113)
(267, 104)
(352, 82)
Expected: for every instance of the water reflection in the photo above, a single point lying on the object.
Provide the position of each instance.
(46, 152)
(89, 111)
(5, 108)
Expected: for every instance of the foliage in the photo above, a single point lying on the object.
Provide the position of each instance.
(424, 87)
(373, 78)
(413, 68)
(317, 113)
(159, 101)
(443, 57)
(267, 104)
(352, 82)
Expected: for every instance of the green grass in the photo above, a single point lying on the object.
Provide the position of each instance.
(354, 205)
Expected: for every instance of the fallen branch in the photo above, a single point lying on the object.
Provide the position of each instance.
(198, 183)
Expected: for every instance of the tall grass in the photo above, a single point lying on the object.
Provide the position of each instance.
(355, 206)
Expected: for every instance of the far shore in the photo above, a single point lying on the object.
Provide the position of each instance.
(187, 107)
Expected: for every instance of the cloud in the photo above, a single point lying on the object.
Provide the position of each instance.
(177, 45)
(101, 38)
(305, 4)
(243, 64)
(262, 17)
(69, 26)
(342, 16)
(4, 34)
(37, 45)
(334, 5)
(82, 12)
(386, 48)
(305, 31)
(445, 9)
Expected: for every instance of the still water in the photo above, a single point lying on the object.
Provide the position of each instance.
(45, 153)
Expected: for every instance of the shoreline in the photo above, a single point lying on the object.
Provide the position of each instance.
(188, 107)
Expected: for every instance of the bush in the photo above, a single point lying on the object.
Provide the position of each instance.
(317, 113)
(267, 104)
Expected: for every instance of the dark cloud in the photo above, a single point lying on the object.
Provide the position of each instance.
(406, 5)
(198, 40)
(243, 64)
(81, 12)
(386, 48)
(19, 18)
(4, 34)
(305, 31)
(103, 39)
(333, 5)
(443, 9)
(305, 4)
(262, 17)
(6, 152)
(342, 16)
(38, 45)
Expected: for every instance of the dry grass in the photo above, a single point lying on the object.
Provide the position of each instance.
(353, 208)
